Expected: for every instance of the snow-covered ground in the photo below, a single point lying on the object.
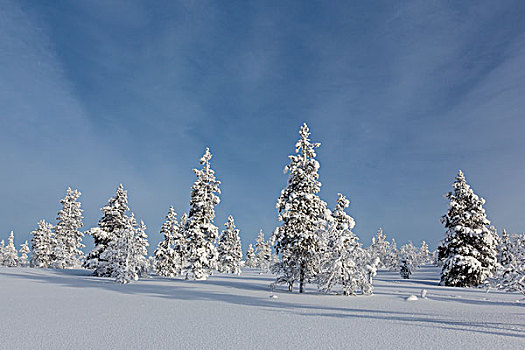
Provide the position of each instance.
(66, 309)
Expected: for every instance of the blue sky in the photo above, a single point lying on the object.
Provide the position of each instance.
(400, 94)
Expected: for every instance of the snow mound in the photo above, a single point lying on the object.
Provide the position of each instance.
(412, 298)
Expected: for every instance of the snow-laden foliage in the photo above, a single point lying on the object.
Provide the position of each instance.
(468, 252)
(114, 219)
(68, 238)
(150, 265)
(506, 250)
(303, 215)
(10, 254)
(344, 261)
(371, 272)
(409, 259)
(263, 253)
(201, 233)
(391, 258)
(167, 262)
(23, 260)
(511, 273)
(124, 254)
(230, 251)
(2, 247)
(42, 245)
(424, 256)
(379, 248)
(141, 248)
(180, 245)
(250, 260)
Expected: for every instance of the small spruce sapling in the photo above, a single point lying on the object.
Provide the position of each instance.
(250, 261)
(263, 253)
(42, 245)
(165, 259)
(24, 251)
(68, 238)
(230, 253)
(114, 220)
(10, 256)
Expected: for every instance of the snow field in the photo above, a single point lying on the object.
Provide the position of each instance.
(64, 309)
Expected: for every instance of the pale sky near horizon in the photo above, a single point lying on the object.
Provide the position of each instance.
(401, 94)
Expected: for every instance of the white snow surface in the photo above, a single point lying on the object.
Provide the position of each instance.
(64, 309)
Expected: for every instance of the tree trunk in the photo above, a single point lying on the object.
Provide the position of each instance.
(301, 279)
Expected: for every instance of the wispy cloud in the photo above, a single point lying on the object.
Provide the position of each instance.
(400, 94)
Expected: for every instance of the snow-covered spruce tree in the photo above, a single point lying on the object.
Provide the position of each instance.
(141, 248)
(511, 272)
(166, 262)
(391, 259)
(303, 215)
(121, 255)
(23, 261)
(506, 250)
(408, 259)
(201, 233)
(2, 247)
(343, 263)
(379, 248)
(263, 253)
(250, 260)
(114, 219)
(42, 245)
(10, 256)
(424, 256)
(230, 251)
(68, 238)
(180, 245)
(468, 252)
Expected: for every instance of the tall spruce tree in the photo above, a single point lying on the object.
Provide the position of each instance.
(468, 252)
(165, 258)
(42, 245)
(114, 219)
(201, 233)
(230, 252)
(68, 238)
(303, 215)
